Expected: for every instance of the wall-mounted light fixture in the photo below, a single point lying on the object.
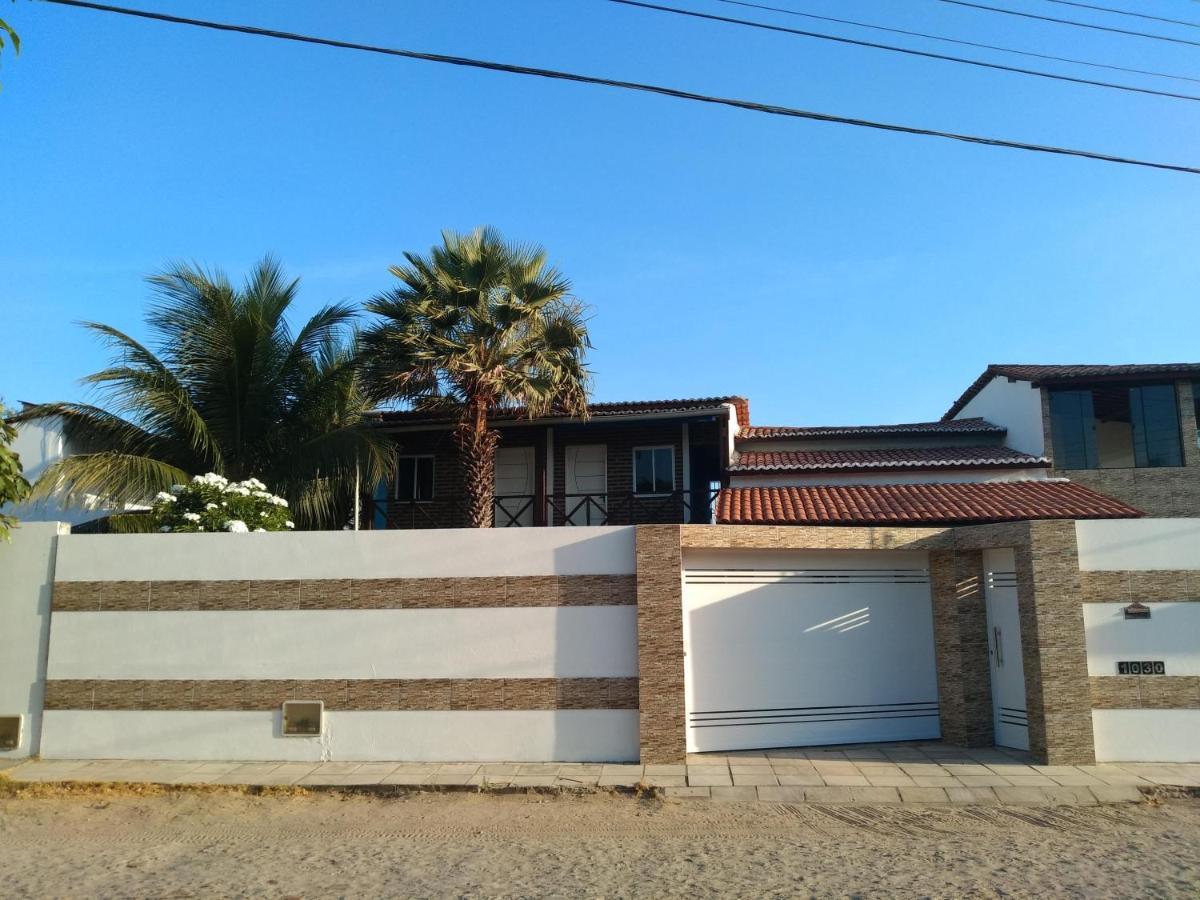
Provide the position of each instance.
(1137, 610)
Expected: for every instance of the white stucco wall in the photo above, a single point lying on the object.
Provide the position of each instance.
(26, 576)
(522, 642)
(563, 735)
(485, 642)
(1138, 544)
(1017, 405)
(1171, 634)
(433, 553)
(1147, 735)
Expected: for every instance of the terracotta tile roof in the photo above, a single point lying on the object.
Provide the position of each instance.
(917, 504)
(957, 426)
(1063, 374)
(596, 410)
(885, 459)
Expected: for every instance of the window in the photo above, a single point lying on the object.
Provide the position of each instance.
(414, 478)
(1155, 414)
(1072, 426)
(1196, 403)
(1115, 427)
(653, 470)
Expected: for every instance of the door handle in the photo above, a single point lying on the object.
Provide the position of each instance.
(997, 637)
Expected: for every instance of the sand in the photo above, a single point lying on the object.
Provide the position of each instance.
(181, 844)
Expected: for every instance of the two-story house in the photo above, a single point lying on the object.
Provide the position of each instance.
(1023, 442)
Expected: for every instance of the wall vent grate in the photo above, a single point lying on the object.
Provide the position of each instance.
(10, 732)
(303, 718)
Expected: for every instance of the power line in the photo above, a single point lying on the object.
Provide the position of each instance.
(959, 41)
(1074, 22)
(750, 105)
(641, 4)
(1126, 12)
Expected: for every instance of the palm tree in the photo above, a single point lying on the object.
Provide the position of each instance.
(229, 390)
(479, 325)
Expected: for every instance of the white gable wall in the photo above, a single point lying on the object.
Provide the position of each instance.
(1017, 405)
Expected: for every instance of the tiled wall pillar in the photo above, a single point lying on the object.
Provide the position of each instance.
(662, 716)
(960, 642)
(1052, 643)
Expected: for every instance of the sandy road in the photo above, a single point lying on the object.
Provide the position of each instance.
(327, 845)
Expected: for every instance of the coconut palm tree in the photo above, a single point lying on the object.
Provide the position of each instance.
(229, 389)
(479, 325)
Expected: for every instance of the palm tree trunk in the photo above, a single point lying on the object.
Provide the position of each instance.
(477, 454)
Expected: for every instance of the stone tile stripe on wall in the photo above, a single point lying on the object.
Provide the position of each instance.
(346, 694)
(1145, 691)
(370, 593)
(1162, 585)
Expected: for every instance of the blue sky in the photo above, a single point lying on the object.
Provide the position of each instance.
(831, 274)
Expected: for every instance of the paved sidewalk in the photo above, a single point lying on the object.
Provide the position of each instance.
(878, 773)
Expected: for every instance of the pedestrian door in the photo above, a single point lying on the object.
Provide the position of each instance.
(1009, 715)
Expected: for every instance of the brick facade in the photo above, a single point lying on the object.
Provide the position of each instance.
(369, 593)
(1050, 601)
(1145, 692)
(960, 642)
(345, 694)
(661, 703)
(1157, 586)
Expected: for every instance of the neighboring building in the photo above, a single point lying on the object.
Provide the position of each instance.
(1126, 431)
(39, 445)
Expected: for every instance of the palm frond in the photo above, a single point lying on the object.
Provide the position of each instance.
(110, 477)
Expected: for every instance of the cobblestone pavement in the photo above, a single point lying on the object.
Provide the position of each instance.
(877, 773)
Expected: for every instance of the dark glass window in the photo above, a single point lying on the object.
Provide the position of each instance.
(1073, 429)
(654, 470)
(414, 478)
(1115, 427)
(1155, 414)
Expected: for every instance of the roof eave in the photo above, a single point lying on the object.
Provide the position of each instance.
(723, 409)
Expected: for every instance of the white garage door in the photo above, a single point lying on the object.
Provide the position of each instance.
(820, 648)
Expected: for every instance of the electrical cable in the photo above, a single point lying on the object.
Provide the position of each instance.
(959, 41)
(750, 105)
(642, 4)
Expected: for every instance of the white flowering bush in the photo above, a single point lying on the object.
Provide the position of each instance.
(213, 503)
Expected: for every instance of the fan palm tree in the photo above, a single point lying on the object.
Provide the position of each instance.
(230, 390)
(479, 325)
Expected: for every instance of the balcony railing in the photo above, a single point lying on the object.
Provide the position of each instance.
(522, 510)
